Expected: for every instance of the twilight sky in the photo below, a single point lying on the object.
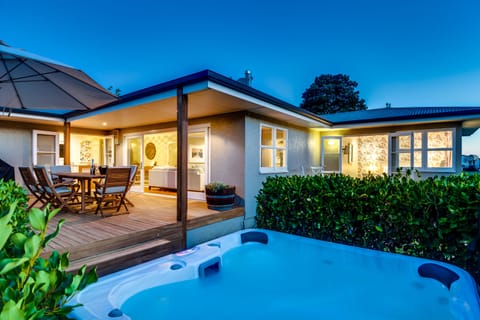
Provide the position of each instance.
(408, 52)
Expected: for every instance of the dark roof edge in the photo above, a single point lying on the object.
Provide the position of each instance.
(148, 91)
(408, 117)
(208, 75)
(242, 88)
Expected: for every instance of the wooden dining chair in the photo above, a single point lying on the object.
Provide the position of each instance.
(57, 179)
(32, 186)
(60, 195)
(111, 194)
(133, 173)
(60, 168)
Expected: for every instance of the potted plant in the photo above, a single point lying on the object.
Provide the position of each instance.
(220, 196)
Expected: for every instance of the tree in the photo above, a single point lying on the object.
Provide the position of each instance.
(116, 92)
(332, 94)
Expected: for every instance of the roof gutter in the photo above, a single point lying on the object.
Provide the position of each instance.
(14, 114)
(446, 116)
(399, 121)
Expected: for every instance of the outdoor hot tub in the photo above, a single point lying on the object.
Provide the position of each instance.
(260, 274)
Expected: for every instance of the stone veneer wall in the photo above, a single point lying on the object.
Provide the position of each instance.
(372, 155)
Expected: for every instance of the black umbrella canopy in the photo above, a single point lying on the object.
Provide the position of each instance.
(32, 82)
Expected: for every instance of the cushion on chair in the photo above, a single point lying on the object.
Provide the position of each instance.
(111, 190)
(63, 190)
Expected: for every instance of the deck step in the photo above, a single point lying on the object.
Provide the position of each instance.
(119, 259)
(170, 232)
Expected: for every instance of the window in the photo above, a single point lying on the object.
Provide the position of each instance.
(440, 149)
(273, 149)
(407, 150)
(45, 148)
(423, 150)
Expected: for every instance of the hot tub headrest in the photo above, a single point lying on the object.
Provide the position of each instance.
(254, 236)
(439, 273)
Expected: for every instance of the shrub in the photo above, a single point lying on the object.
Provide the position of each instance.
(10, 193)
(434, 218)
(217, 186)
(32, 287)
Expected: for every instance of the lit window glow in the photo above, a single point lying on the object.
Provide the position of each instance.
(431, 149)
(273, 149)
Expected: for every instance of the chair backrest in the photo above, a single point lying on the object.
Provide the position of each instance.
(43, 179)
(54, 196)
(117, 180)
(133, 172)
(102, 169)
(62, 168)
(84, 168)
(28, 179)
(317, 170)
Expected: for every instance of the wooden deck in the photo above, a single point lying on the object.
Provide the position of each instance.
(112, 243)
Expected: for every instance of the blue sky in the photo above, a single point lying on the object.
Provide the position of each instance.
(408, 53)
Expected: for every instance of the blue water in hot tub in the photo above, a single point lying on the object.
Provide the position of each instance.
(297, 278)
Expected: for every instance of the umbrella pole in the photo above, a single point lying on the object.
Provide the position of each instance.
(66, 142)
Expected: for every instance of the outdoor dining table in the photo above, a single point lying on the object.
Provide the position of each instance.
(85, 181)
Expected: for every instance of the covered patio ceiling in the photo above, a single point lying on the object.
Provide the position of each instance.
(205, 103)
(201, 104)
(209, 94)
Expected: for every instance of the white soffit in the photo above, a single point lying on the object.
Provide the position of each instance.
(206, 98)
(137, 112)
(266, 108)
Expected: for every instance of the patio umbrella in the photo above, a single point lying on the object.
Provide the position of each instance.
(29, 81)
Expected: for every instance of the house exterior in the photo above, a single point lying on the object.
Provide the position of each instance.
(377, 141)
(236, 134)
(470, 162)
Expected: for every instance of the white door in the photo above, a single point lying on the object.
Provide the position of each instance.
(135, 157)
(198, 162)
(332, 154)
(109, 151)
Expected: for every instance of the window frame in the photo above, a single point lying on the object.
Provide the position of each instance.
(424, 150)
(274, 148)
(36, 152)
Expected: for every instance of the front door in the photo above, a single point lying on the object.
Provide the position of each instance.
(135, 157)
(331, 154)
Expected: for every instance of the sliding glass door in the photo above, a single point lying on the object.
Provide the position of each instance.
(135, 157)
(155, 154)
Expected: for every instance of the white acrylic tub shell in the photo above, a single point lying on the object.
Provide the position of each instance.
(111, 291)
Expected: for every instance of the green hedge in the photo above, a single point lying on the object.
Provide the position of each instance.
(434, 218)
(33, 287)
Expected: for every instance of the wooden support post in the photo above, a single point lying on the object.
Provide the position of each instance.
(66, 142)
(182, 165)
